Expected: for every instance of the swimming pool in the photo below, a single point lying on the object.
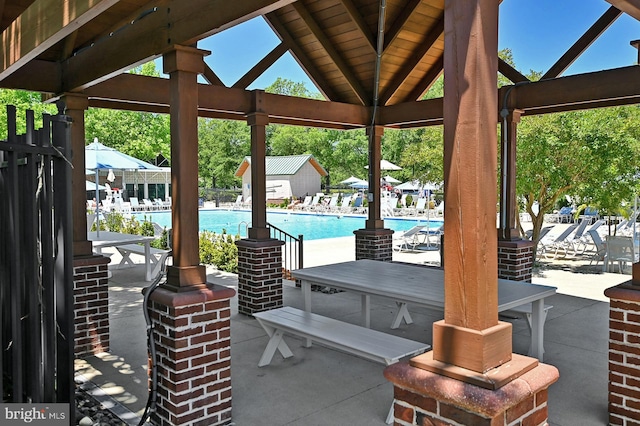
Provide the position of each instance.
(312, 226)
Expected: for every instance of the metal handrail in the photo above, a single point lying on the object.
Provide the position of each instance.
(291, 252)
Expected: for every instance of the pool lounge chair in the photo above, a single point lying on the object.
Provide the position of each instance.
(555, 244)
(407, 240)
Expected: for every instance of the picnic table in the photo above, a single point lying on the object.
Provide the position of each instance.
(117, 239)
(419, 285)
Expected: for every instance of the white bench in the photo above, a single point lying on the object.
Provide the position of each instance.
(157, 256)
(525, 311)
(361, 341)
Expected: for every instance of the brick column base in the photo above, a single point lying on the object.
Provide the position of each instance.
(515, 260)
(193, 343)
(624, 354)
(374, 244)
(91, 305)
(259, 275)
(425, 398)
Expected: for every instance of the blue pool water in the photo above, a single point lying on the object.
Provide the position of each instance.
(312, 226)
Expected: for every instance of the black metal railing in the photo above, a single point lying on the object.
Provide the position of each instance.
(36, 262)
(292, 250)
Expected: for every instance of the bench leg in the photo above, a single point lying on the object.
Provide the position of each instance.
(390, 416)
(403, 314)
(275, 342)
(126, 259)
(365, 310)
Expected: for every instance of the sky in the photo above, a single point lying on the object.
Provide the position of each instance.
(538, 32)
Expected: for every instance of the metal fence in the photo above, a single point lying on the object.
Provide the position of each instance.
(292, 250)
(36, 269)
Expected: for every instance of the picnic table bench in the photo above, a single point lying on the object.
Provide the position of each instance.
(157, 257)
(361, 341)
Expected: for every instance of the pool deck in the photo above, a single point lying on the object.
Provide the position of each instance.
(320, 386)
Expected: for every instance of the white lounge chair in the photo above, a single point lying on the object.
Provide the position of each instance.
(555, 244)
(620, 251)
(407, 240)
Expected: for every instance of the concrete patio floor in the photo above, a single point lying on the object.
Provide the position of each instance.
(321, 386)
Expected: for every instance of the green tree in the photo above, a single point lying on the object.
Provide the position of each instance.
(221, 147)
(589, 155)
(23, 101)
(283, 86)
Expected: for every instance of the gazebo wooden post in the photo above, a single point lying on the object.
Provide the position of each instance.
(74, 106)
(515, 255)
(508, 203)
(470, 343)
(183, 66)
(194, 332)
(90, 275)
(375, 155)
(374, 241)
(258, 120)
(259, 255)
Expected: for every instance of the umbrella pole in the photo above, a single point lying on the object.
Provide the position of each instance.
(97, 205)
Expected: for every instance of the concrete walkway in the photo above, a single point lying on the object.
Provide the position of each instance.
(320, 386)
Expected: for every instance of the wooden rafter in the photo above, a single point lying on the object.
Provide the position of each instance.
(394, 29)
(211, 77)
(510, 72)
(413, 61)
(630, 7)
(357, 19)
(301, 57)
(30, 35)
(261, 66)
(335, 56)
(427, 81)
(583, 43)
(164, 24)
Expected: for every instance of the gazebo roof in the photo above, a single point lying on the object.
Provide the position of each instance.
(283, 165)
(87, 46)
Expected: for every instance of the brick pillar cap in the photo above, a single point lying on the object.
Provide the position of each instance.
(366, 231)
(201, 295)
(485, 402)
(625, 291)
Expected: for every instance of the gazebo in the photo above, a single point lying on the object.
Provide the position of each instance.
(372, 61)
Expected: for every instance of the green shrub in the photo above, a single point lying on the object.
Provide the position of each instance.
(409, 200)
(219, 250)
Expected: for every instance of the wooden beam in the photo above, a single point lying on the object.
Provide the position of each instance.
(211, 76)
(398, 23)
(413, 61)
(412, 114)
(511, 73)
(336, 58)
(630, 7)
(357, 19)
(583, 43)
(621, 85)
(261, 66)
(43, 24)
(156, 29)
(137, 91)
(35, 76)
(426, 82)
(301, 57)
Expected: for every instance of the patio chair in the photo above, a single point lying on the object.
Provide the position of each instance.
(304, 203)
(345, 206)
(620, 251)
(600, 253)
(555, 244)
(407, 240)
(238, 203)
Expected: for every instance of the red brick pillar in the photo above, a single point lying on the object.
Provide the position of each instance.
(193, 341)
(91, 305)
(624, 354)
(515, 260)
(259, 275)
(425, 398)
(375, 244)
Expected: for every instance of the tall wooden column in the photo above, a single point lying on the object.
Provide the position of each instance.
(375, 137)
(183, 66)
(508, 203)
(374, 241)
(258, 120)
(470, 336)
(74, 106)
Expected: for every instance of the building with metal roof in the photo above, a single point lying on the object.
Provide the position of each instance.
(286, 176)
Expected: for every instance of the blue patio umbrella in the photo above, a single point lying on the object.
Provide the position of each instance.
(361, 184)
(99, 157)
